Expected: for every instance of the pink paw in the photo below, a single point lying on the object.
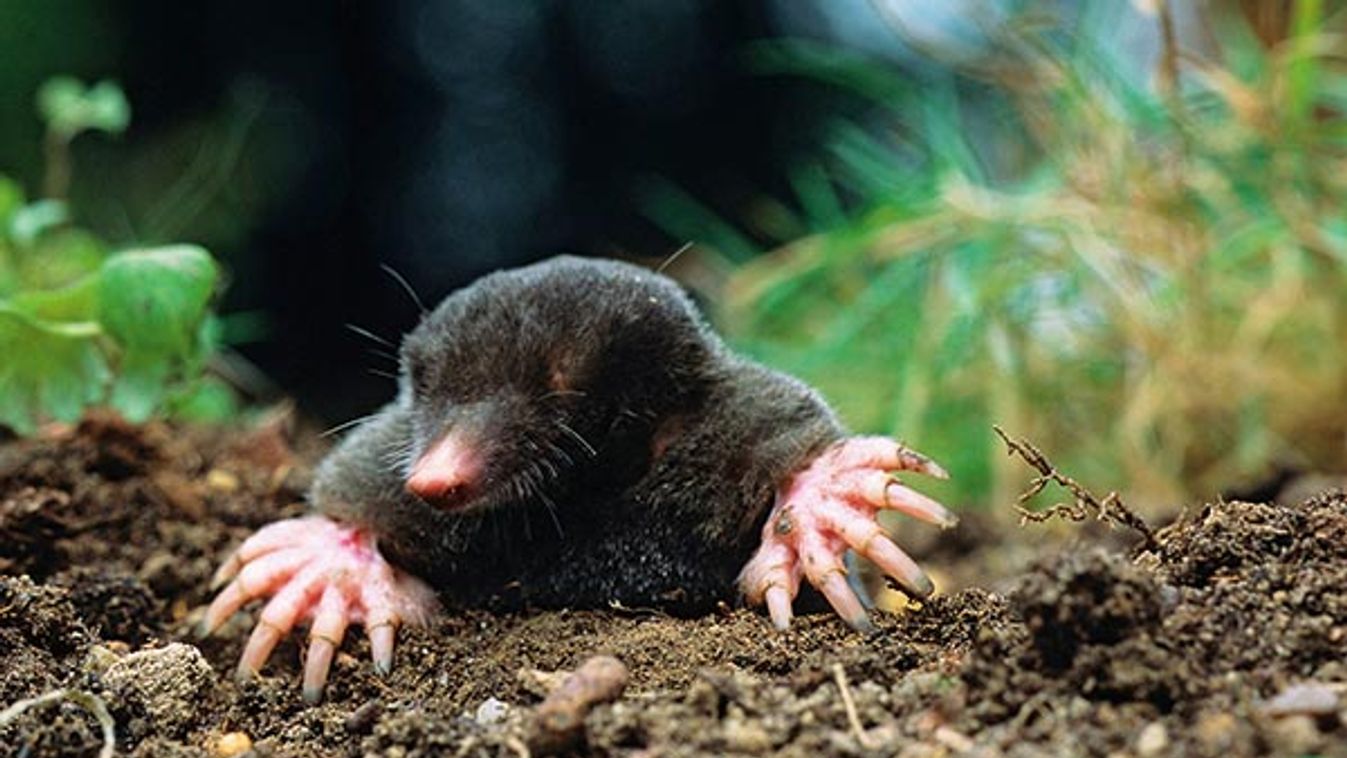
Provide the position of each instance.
(829, 507)
(328, 573)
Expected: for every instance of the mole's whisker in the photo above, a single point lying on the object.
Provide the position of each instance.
(561, 393)
(583, 442)
(563, 452)
(348, 424)
(367, 334)
(552, 511)
(406, 286)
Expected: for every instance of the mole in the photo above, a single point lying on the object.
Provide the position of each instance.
(572, 434)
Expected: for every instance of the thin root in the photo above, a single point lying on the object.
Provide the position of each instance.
(89, 701)
(853, 718)
(1110, 509)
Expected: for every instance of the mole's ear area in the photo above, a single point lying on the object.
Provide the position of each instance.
(666, 434)
(448, 470)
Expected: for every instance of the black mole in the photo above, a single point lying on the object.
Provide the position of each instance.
(607, 446)
(572, 434)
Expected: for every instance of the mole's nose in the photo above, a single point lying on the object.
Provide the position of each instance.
(448, 468)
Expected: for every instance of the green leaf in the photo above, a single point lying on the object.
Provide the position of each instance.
(206, 401)
(60, 258)
(69, 107)
(73, 303)
(11, 199)
(30, 221)
(154, 300)
(141, 383)
(49, 371)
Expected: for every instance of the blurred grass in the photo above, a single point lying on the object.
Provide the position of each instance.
(1149, 282)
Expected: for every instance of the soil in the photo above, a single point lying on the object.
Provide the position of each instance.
(1060, 639)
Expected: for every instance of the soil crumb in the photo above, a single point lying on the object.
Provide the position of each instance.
(1226, 638)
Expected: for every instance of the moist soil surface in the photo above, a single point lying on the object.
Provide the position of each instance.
(1229, 637)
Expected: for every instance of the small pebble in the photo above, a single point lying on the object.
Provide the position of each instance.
(232, 744)
(222, 481)
(491, 711)
(1309, 698)
(1153, 740)
(745, 737)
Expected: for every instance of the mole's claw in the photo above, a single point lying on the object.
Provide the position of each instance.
(778, 607)
(911, 460)
(221, 608)
(227, 571)
(329, 626)
(917, 505)
(895, 563)
(381, 639)
(324, 572)
(261, 642)
(317, 663)
(831, 506)
(882, 490)
(879, 453)
(843, 599)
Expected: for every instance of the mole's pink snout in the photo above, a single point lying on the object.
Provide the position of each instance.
(445, 472)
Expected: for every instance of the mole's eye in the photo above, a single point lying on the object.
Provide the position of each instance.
(557, 379)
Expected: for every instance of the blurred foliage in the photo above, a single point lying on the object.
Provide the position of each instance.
(81, 324)
(1154, 292)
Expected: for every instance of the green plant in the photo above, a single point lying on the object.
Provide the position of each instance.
(81, 324)
(1155, 290)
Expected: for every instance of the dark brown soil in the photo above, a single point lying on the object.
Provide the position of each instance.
(1229, 640)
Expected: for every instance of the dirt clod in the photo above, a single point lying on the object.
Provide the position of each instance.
(160, 691)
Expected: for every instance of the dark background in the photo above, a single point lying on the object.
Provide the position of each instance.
(444, 139)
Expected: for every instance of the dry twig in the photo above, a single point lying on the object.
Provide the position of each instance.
(1110, 509)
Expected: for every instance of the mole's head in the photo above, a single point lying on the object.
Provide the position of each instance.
(527, 377)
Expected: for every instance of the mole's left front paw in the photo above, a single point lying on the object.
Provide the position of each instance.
(830, 506)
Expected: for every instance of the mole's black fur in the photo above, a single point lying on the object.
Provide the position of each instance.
(628, 455)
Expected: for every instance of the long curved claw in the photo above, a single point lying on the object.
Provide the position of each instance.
(381, 637)
(321, 571)
(883, 490)
(895, 563)
(879, 453)
(829, 507)
(261, 642)
(778, 600)
(329, 626)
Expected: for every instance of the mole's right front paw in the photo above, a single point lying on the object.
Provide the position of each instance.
(316, 569)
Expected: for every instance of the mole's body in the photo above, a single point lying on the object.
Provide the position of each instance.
(571, 434)
(605, 445)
